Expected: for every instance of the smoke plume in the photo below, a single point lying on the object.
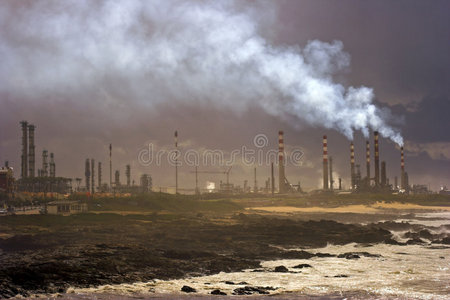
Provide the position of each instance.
(201, 52)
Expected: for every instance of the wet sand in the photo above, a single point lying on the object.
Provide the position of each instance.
(379, 207)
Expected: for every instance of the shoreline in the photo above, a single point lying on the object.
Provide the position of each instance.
(47, 254)
(378, 207)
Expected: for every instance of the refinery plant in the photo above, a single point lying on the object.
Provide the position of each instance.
(45, 181)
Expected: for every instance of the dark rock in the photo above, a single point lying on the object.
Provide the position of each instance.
(349, 256)
(446, 241)
(415, 241)
(249, 290)
(391, 241)
(296, 254)
(218, 292)
(341, 276)
(356, 255)
(324, 255)
(424, 233)
(242, 283)
(229, 282)
(281, 269)
(301, 266)
(188, 289)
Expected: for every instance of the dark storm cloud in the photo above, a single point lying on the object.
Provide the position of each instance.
(91, 73)
(429, 121)
(398, 47)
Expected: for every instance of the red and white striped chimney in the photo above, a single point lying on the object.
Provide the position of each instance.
(281, 175)
(402, 166)
(352, 165)
(368, 161)
(325, 163)
(377, 159)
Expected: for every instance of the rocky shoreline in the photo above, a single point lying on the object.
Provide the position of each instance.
(48, 254)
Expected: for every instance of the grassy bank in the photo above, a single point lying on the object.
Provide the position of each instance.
(162, 202)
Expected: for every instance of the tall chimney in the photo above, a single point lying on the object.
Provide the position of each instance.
(255, 189)
(340, 183)
(176, 162)
(24, 171)
(368, 161)
(352, 166)
(52, 165)
(128, 174)
(93, 175)
(99, 175)
(325, 163)
(44, 163)
(331, 173)
(406, 181)
(117, 178)
(377, 160)
(383, 174)
(31, 148)
(272, 179)
(402, 166)
(110, 166)
(281, 175)
(87, 173)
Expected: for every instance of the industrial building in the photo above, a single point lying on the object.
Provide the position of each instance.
(379, 183)
(65, 207)
(6, 179)
(46, 180)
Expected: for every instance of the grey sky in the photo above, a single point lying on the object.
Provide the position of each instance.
(64, 75)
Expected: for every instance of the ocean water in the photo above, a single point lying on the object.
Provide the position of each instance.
(405, 272)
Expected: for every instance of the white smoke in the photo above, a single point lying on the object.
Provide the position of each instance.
(198, 51)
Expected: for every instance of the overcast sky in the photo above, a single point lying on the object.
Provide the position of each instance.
(221, 72)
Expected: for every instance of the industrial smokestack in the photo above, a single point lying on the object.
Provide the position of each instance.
(281, 175)
(99, 175)
(340, 183)
(92, 175)
(176, 161)
(128, 174)
(255, 188)
(24, 157)
(406, 181)
(368, 161)
(117, 178)
(352, 166)
(31, 148)
(402, 169)
(87, 173)
(331, 173)
(377, 160)
(272, 179)
(110, 166)
(52, 166)
(44, 163)
(144, 183)
(325, 163)
(383, 174)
